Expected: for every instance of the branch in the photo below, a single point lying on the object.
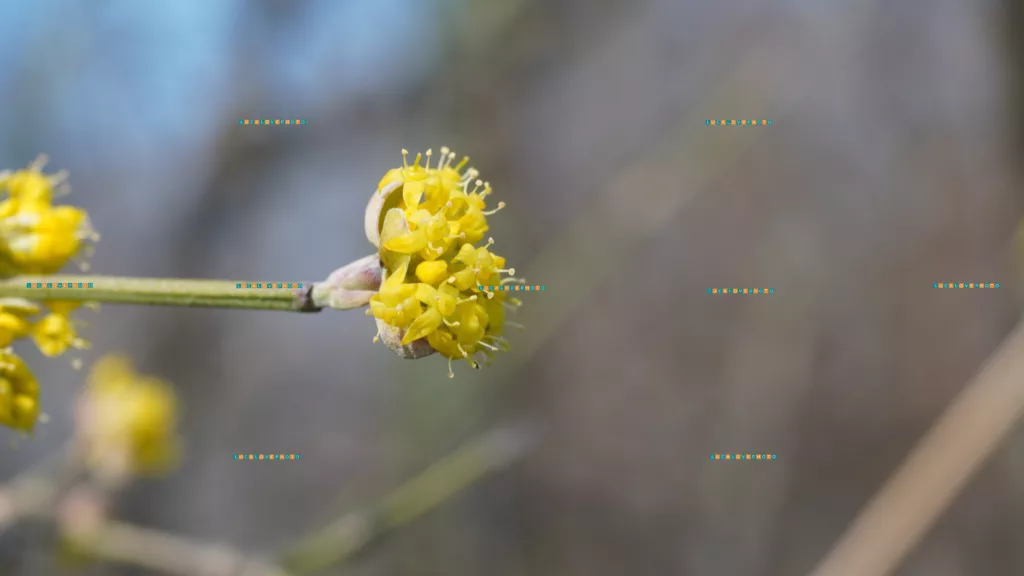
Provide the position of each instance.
(348, 287)
(342, 539)
(157, 292)
(159, 551)
(936, 471)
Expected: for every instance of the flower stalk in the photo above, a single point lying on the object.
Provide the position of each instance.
(185, 292)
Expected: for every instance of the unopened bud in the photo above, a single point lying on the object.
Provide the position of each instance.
(350, 286)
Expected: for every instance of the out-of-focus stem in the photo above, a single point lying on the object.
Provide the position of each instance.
(937, 469)
(339, 541)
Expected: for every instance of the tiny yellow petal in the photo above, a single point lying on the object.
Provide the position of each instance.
(432, 272)
(422, 325)
(412, 193)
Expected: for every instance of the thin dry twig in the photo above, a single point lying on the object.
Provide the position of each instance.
(937, 469)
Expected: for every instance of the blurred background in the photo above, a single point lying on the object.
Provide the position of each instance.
(890, 164)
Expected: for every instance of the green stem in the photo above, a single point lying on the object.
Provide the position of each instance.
(493, 452)
(160, 292)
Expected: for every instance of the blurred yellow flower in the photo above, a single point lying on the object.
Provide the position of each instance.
(428, 219)
(128, 419)
(19, 393)
(37, 237)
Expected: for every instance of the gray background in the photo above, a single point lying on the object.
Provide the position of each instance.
(889, 166)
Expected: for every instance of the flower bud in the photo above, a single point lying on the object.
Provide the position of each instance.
(350, 286)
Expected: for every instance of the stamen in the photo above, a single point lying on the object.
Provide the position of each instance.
(489, 212)
(488, 346)
(490, 295)
(462, 350)
(450, 324)
(59, 178)
(60, 190)
(450, 373)
(430, 152)
(419, 157)
(376, 337)
(509, 271)
(464, 300)
(39, 162)
(405, 158)
(487, 189)
(490, 242)
(512, 280)
(462, 163)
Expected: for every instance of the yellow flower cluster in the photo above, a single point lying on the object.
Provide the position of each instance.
(429, 227)
(128, 419)
(19, 393)
(36, 237)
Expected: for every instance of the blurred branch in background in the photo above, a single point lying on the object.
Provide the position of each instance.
(341, 540)
(80, 513)
(937, 470)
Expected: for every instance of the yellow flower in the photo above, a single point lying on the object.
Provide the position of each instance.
(55, 333)
(130, 415)
(35, 236)
(14, 319)
(427, 219)
(19, 393)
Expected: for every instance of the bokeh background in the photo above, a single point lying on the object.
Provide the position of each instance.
(890, 165)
